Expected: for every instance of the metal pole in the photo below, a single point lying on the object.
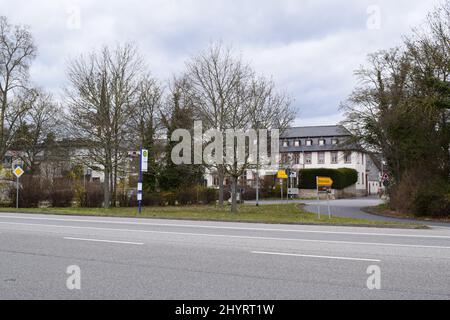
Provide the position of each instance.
(257, 185)
(140, 183)
(17, 193)
(282, 194)
(318, 197)
(329, 208)
(287, 187)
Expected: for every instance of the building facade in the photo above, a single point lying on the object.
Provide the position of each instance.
(320, 147)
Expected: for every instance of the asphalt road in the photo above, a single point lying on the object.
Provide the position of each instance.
(160, 259)
(351, 208)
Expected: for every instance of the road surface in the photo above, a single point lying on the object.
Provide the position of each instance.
(351, 208)
(160, 259)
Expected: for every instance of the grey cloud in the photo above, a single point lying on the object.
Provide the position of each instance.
(310, 47)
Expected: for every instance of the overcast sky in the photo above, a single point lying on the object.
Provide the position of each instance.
(310, 47)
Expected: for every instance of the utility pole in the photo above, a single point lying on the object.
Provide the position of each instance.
(140, 184)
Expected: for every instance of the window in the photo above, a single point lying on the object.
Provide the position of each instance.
(309, 143)
(321, 157)
(362, 175)
(297, 158)
(335, 141)
(308, 158)
(322, 142)
(297, 143)
(348, 157)
(334, 157)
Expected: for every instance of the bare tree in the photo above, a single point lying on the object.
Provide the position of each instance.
(17, 51)
(215, 78)
(102, 92)
(40, 121)
(270, 110)
(256, 108)
(229, 97)
(145, 123)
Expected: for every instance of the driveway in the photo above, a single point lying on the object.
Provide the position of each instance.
(351, 208)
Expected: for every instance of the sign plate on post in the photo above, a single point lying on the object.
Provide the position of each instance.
(324, 182)
(18, 172)
(282, 174)
(144, 160)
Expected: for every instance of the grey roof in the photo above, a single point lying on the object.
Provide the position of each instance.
(316, 132)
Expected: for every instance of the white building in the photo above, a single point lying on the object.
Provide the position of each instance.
(324, 147)
(320, 147)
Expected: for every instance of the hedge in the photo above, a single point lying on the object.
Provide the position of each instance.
(343, 178)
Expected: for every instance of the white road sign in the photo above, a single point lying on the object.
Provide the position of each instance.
(144, 160)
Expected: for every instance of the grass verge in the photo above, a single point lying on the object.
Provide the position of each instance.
(271, 214)
(384, 211)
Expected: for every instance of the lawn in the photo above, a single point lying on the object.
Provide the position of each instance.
(272, 214)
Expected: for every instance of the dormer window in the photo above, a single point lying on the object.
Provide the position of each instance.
(285, 143)
(322, 142)
(297, 143)
(309, 143)
(335, 141)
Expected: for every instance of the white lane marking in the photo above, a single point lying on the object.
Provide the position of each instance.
(232, 228)
(106, 241)
(312, 256)
(230, 236)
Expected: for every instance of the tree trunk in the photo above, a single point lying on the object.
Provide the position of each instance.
(106, 190)
(234, 208)
(107, 183)
(221, 185)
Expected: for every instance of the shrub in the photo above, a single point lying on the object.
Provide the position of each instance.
(208, 195)
(432, 200)
(32, 192)
(343, 178)
(250, 194)
(187, 196)
(169, 198)
(152, 199)
(92, 197)
(61, 193)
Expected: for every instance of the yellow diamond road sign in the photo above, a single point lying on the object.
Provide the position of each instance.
(18, 172)
(282, 174)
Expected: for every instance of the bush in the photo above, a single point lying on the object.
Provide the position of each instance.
(61, 193)
(169, 198)
(151, 199)
(92, 196)
(433, 200)
(32, 192)
(208, 195)
(343, 178)
(187, 196)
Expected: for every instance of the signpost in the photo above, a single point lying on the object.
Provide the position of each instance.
(143, 167)
(18, 172)
(282, 175)
(386, 180)
(324, 185)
